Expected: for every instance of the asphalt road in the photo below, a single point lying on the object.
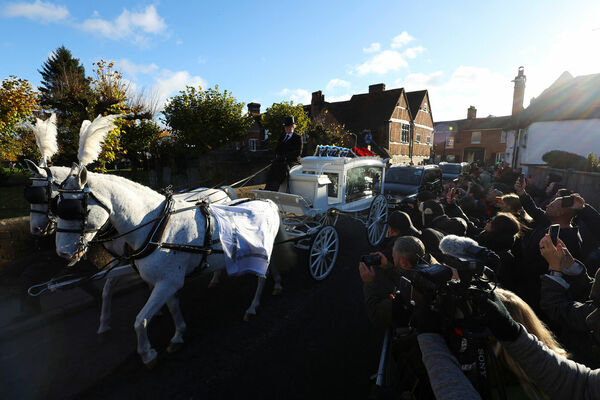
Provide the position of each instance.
(313, 341)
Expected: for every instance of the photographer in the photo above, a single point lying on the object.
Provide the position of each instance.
(564, 298)
(407, 252)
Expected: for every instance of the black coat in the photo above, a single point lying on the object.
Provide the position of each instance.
(287, 154)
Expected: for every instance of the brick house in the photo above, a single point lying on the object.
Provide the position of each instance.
(400, 123)
(255, 139)
(473, 139)
(480, 139)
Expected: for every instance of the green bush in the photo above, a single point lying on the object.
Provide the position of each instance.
(565, 160)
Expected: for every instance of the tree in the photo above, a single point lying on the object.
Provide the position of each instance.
(272, 120)
(319, 131)
(138, 138)
(65, 90)
(18, 101)
(205, 120)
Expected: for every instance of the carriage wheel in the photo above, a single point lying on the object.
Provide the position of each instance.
(323, 252)
(329, 218)
(377, 221)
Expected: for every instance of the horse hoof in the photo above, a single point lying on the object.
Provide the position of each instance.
(174, 347)
(246, 317)
(151, 360)
(277, 291)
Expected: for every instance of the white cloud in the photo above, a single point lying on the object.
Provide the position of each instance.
(161, 83)
(201, 60)
(413, 52)
(401, 40)
(135, 26)
(489, 91)
(36, 11)
(382, 63)
(179, 42)
(374, 47)
(335, 83)
(133, 70)
(419, 81)
(169, 83)
(298, 96)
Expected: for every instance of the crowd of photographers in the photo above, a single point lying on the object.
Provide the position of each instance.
(487, 292)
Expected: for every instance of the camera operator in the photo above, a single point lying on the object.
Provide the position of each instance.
(407, 252)
(564, 298)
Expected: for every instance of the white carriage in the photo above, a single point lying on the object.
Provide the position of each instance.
(318, 191)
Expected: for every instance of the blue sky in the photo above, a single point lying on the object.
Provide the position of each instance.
(464, 53)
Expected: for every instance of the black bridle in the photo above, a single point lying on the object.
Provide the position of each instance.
(77, 210)
(42, 195)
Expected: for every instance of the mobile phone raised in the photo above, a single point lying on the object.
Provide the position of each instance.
(566, 201)
(553, 231)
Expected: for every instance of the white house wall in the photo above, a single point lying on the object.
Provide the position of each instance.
(578, 136)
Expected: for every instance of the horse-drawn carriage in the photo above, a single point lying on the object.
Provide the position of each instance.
(318, 191)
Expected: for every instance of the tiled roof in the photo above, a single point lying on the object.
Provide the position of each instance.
(414, 101)
(479, 123)
(366, 110)
(566, 99)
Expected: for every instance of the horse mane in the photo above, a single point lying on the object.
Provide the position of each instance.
(122, 180)
(45, 137)
(92, 135)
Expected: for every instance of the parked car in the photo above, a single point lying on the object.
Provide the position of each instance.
(451, 171)
(404, 183)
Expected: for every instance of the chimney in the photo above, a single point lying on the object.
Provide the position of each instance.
(377, 88)
(253, 109)
(519, 92)
(472, 113)
(316, 103)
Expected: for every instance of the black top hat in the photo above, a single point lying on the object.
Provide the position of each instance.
(288, 120)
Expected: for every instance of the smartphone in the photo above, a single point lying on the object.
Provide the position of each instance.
(522, 178)
(553, 231)
(566, 201)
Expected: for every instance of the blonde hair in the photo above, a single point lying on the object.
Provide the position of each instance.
(523, 314)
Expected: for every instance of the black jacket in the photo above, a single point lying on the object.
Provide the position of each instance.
(289, 152)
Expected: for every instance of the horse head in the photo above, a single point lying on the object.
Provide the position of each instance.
(42, 195)
(81, 215)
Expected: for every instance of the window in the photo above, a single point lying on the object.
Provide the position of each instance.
(428, 139)
(418, 138)
(503, 137)
(425, 106)
(361, 182)
(405, 133)
(475, 137)
(252, 144)
(332, 188)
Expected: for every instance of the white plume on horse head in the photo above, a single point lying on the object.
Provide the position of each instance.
(92, 135)
(45, 136)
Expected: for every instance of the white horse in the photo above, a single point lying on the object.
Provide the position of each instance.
(89, 201)
(44, 190)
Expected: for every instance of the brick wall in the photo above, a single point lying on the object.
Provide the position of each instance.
(490, 141)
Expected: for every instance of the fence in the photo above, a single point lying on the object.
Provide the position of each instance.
(587, 184)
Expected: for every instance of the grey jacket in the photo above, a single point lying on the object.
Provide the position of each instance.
(555, 375)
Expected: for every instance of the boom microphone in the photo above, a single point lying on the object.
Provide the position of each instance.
(460, 246)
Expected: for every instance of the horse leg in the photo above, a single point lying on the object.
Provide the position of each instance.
(105, 312)
(277, 288)
(162, 292)
(256, 301)
(215, 278)
(177, 339)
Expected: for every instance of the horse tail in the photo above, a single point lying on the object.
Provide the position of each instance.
(282, 257)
